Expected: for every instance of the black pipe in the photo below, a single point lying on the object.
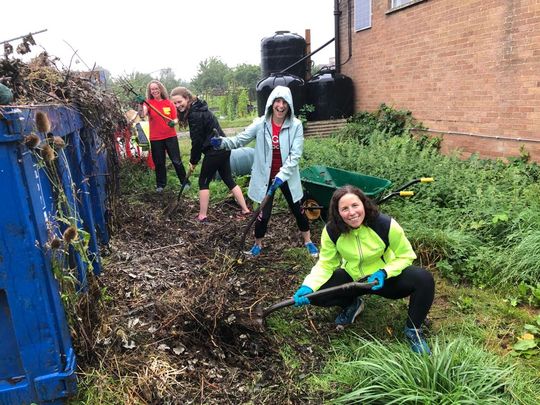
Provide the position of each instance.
(305, 57)
(337, 14)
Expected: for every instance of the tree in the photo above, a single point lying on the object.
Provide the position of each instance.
(136, 80)
(166, 77)
(247, 76)
(212, 77)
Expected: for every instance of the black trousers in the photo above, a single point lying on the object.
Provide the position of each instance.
(216, 162)
(414, 282)
(169, 145)
(261, 225)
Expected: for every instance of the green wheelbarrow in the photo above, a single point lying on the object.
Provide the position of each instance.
(320, 182)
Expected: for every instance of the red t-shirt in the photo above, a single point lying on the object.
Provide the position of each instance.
(158, 125)
(276, 152)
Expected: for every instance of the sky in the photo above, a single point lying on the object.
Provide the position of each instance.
(146, 36)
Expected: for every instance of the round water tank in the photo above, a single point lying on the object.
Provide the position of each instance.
(280, 51)
(332, 95)
(295, 83)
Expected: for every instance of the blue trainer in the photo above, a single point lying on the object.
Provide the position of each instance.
(255, 250)
(349, 314)
(312, 249)
(417, 340)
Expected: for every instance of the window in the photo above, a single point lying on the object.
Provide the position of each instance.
(362, 14)
(397, 3)
(394, 5)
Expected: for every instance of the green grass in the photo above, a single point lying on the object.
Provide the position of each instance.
(460, 371)
(237, 123)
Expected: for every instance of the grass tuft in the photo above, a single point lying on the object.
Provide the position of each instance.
(460, 371)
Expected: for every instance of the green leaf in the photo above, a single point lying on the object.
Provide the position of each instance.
(532, 328)
(523, 344)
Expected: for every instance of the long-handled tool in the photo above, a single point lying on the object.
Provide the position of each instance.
(129, 88)
(256, 318)
(170, 210)
(256, 213)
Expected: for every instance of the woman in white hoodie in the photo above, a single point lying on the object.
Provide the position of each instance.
(279, 146)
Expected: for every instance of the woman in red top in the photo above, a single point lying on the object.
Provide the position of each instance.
(162, 119)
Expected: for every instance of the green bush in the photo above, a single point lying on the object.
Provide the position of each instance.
(472, 218)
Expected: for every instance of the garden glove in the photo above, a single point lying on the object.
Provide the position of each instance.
(379, 276)
(216, 142)
(275, 185)
(140, 99)
(300, 296)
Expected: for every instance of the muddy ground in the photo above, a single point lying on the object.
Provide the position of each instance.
(176, 317)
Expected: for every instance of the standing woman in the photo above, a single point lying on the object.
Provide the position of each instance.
(279, 146)
(202, 126)
(359, 242)
(162, 120)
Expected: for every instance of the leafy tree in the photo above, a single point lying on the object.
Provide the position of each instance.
(137, 80)
(247, 76)
(166, 76)
(212, 77)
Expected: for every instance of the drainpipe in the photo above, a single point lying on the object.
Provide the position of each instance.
(337, 14)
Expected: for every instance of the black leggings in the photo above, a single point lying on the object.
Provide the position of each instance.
(261, 225)
(169, 145)
(216, 162)
(413, 281)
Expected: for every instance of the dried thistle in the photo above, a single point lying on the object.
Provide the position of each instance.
(70, 234)
(47, 153)
(56, 243)
(58, 142)
(31, 141)
(43, 124)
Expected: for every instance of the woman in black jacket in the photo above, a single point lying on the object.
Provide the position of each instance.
(202, 127)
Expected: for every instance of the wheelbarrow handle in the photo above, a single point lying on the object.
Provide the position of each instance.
(353, 285)
(399, 191)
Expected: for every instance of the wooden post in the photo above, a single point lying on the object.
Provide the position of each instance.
(308, 51)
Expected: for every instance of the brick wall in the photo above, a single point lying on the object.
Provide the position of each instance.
(469, 69)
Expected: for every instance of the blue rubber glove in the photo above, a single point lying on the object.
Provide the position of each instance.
(299, 296)
(275, 185)
(140, 99)
(216, 142)
(171, 123)
(379, 276)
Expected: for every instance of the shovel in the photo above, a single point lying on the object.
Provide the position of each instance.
(256, 318)
(256, 213)
(170, 210)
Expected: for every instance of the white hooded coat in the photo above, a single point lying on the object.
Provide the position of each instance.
(291, 143)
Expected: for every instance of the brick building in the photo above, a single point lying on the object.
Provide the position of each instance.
(468, 69)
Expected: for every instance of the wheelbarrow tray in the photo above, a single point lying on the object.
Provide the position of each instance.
(320, 182)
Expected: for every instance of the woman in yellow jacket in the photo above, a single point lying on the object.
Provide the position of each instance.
(359, 242)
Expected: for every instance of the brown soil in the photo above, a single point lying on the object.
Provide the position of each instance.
(178, 315)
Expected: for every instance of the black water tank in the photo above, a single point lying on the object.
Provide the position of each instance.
(280, 51)
(332, 95)
(295, 83)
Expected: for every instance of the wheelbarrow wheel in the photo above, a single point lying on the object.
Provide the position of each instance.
(313, 209)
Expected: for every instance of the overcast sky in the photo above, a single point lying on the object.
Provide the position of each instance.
(146, 36)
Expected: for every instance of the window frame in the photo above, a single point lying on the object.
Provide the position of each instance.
(392, 9)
